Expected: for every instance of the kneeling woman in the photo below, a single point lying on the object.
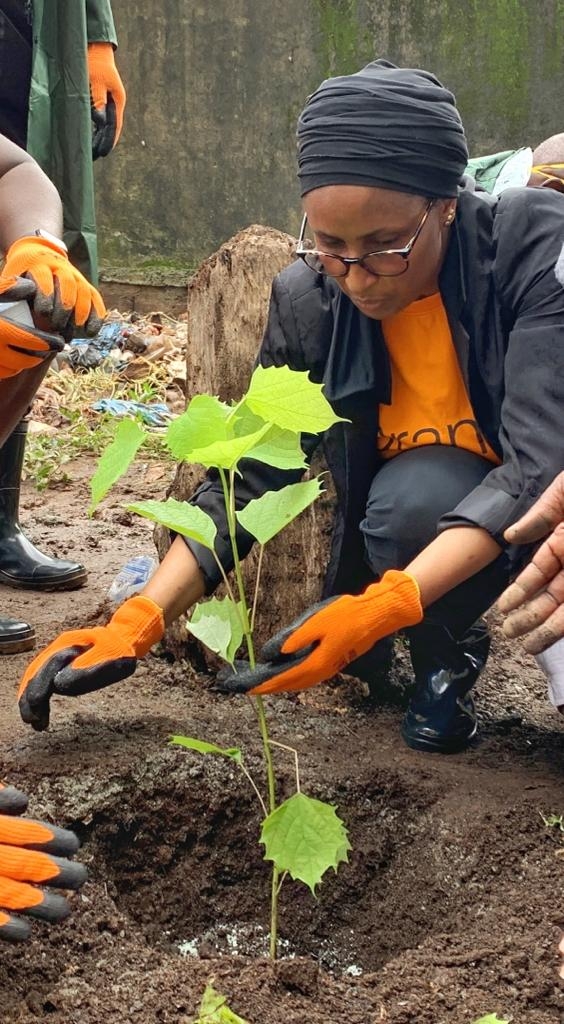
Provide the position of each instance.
(434, 316)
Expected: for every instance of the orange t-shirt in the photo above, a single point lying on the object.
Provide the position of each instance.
(430, 404)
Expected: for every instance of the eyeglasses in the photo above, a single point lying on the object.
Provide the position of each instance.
(384, 263)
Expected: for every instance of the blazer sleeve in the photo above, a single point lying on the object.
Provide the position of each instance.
(529, 285)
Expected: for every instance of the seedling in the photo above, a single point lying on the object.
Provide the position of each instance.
(491, 1018)
(302, 837)
(553, 821)
(214, 1009)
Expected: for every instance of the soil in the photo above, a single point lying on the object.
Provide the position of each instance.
(450, 906)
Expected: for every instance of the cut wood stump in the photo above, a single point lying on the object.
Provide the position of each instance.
(227, 310)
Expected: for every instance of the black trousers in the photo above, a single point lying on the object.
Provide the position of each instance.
(408, 496)
(15, 69)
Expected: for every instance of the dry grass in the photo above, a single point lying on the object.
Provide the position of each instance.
(81, 430)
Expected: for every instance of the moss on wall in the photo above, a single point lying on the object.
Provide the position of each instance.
(343, 41)
(209, 139)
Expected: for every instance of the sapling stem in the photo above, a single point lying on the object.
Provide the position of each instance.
(228, 487)
(291, 750)
(248, 775)
(282, 880)
(257, 585)
(225, 578)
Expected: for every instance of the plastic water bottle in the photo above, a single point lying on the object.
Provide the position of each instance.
(131, 578)
(17, 311)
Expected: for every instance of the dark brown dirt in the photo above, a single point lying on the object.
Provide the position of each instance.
(449, 908)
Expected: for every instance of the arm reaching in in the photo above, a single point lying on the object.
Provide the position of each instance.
(330, 635)
(31, 223)
(33, 854)
(83, 660)
(534, 603)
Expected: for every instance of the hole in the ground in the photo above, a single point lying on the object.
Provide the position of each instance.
(187, 867)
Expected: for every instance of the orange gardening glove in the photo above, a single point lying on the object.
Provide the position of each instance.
(32, 853)
(64, 298)
(83, 660)
(108, 98)
(21, 345)
(329, 636)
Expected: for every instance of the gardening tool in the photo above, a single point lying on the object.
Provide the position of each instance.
(25, 356)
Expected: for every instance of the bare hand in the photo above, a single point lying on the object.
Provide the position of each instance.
(536, 598)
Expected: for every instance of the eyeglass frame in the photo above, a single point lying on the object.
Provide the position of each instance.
(349, 261)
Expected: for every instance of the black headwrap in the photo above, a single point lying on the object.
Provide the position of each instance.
(384, 126)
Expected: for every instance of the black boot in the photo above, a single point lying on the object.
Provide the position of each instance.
(374, 668)
(21, 564)
(441, 717)
(15, 636)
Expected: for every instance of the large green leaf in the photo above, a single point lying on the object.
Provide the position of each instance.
(214, 1009)
(116, 459)
(305, 837)
(188, 520)
(217, 624)
(279, 448)
(201, 747)
(205, 434)
(289, 399)
(491, 1018)
(266, 516)
(201, 425)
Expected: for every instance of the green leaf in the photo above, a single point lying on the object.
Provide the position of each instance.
(116, 459)
(214, 1009)
(305, 837)
(207, 748)
(188, 520)
(553, 821)
(264, 517)
(201, 425)
(289, 399)
(217, 623)
(279, 448)
(491, 1018)
(205, 434)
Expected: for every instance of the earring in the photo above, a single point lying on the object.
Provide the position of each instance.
(449, 219)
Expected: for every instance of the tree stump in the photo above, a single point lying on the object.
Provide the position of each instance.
(227, 310)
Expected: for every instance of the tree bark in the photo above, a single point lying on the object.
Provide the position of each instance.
(227, 309)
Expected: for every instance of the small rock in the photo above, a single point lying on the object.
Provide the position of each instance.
(298, 975)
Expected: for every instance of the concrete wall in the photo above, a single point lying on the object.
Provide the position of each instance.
(215, 86)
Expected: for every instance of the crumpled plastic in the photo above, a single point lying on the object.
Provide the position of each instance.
(87, 353)
(156, 414)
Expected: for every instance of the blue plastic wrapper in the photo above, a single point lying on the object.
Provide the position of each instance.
(156, 414)
(87, 353)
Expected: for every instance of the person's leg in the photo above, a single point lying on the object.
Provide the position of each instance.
(15, 69)
(16, 395)
(407, 498)
(22, 565)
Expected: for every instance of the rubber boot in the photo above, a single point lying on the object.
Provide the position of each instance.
(374, 668)
(15, 636)
(22, 565)
(441, 717)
